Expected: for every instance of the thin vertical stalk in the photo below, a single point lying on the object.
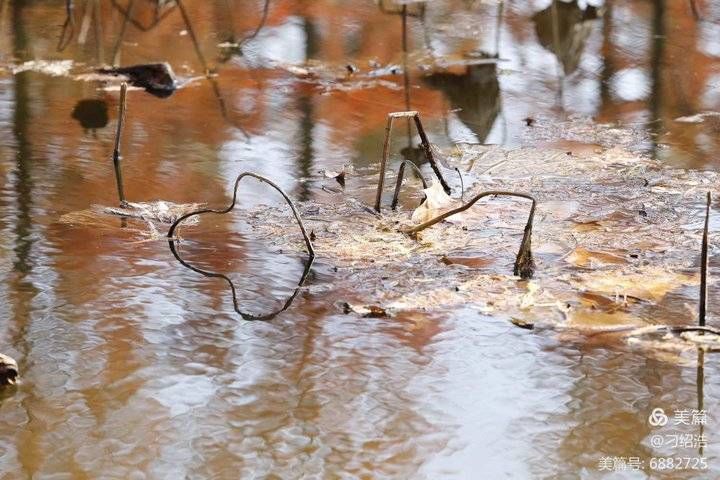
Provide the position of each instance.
(700, 384)
(116, 150)
(406, 74)
(704, 266)
(383, 162)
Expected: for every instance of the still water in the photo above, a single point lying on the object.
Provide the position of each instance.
(135, 367)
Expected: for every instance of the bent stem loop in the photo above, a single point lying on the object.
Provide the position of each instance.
(427, 148)
(524, 266)
(308, 243)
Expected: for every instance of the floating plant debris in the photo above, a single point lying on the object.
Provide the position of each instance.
(55, 68)
(156, 78)
(366, 311)
(634, 264)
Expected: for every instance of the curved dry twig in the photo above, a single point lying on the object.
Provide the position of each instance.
(524, 265)
(400, 176)
(308, 243)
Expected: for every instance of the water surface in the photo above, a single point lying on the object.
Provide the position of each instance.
(135, 367)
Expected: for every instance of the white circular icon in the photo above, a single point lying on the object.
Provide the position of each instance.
(658, 418)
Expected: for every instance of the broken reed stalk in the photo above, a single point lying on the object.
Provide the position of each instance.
(306, 237)
(427, 148)
(401, 175)
(116, 150)
(524, 265)
(704, 265)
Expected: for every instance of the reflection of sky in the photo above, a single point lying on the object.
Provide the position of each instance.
(284, 43)
(630, 84)
(709, 42)
(630, 35)
(711, 95)
(266, 153)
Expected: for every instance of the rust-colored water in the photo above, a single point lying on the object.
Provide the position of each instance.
(134, 367)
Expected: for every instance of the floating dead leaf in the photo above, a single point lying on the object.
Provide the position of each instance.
(156, 78)
(603, 217)
(338, 176)
(583, 257)
(601, 321)
(436, 202)
(522, 323)
(605, 302)
(650, 284)
(559, 210)
(471, 262)
(365, 311)
(571, 147)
